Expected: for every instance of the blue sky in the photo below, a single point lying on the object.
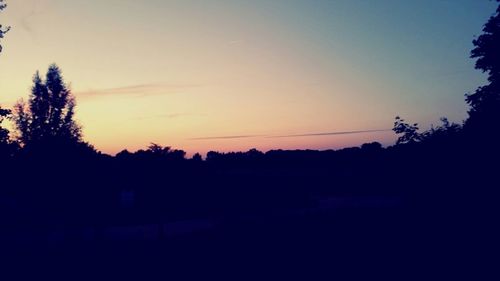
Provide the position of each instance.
(174, 72)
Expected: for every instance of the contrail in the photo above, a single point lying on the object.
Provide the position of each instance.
(227, 137)
(293, 136)
(331, 133)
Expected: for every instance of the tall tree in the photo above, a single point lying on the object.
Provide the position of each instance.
(49, 112)
(484, 114)
(3, 30)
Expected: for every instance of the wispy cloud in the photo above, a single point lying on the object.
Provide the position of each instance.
(330, 133)
(292, 136)
(32, 9)
(26, 21)
(227, 137)
(236, 42)
(169, 116)
(141, 90)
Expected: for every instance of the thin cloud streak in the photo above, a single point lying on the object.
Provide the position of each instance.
(293, 136)
(331, 133)
(169, 116)
(141, 90)
(36, 8)
(227, 137)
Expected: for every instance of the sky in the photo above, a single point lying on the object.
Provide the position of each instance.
(230, 75)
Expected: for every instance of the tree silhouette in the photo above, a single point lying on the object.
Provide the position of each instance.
(373, 146)
(4, 113)
(158, 150)
(4, 133)
(3, 30)
(49, 112)
(484, 115)
(444, 131)
(409, 133)
(197, 157)
(7, 146)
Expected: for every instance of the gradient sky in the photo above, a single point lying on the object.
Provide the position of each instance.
(184, 73)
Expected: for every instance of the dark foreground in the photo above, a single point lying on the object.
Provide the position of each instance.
(367, 239)
(426, 212)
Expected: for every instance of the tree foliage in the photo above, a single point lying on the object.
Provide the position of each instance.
(445, 131)
(2, 29)
(408, 133)
(49, 112)
(4, 133)
(485, 102)
(7, 146)
(155, 153)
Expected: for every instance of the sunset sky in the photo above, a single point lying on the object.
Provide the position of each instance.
(233, 75)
